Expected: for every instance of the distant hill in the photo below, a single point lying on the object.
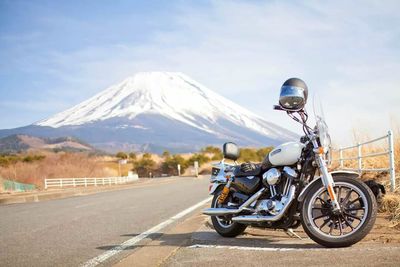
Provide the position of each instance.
(19, 143)
(155, 111)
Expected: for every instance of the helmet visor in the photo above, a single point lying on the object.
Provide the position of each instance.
(292, 98)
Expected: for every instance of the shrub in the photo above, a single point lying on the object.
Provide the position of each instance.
(217, 153)
(201, 158)
(121, 155)
(145, 165)
(248, 154)
(170, 165)
(132, 156)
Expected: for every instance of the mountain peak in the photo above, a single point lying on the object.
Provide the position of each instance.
(148, 106)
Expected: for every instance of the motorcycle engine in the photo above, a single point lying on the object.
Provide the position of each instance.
(279, 184)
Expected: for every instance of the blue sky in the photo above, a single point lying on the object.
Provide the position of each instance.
(55, 54)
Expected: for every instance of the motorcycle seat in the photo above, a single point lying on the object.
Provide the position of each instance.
(240, 173)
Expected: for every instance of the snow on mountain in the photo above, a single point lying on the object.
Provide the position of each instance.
(171, 95)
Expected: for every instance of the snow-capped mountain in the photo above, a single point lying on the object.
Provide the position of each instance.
(161, 110)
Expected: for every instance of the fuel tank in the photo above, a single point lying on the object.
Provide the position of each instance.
(246, 184)
(286, 154)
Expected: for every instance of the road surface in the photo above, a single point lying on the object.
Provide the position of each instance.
(71, 231)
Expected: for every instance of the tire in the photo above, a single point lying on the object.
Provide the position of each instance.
(233, 229)
(339, 222)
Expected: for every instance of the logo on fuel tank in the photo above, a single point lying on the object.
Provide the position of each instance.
(276, 151)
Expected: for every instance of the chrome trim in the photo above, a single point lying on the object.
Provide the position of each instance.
(288, 183)
(272, 190)
(268, 218)
(271, 177)
(289, 171)
(225, 211)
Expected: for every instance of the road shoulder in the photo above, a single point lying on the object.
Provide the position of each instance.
(157, 251)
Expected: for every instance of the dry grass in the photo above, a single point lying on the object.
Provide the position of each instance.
(391, 202)
(59, 165)
(391, 205)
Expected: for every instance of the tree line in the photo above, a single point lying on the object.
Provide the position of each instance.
(145, 165)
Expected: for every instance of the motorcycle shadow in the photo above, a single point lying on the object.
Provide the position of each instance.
(276, 241)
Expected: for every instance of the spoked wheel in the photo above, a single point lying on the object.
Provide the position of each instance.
(344, 228)
(224, 224)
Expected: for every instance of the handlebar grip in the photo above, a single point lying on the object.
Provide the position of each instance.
(277, 107)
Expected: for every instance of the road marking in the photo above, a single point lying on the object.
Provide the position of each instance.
(130, 242)
(288, 249)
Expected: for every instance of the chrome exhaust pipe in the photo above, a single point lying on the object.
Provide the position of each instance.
(268, 218)
(225, 211)
(220, 211)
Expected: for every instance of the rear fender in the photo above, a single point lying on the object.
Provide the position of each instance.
(213, 188)
(334, 174)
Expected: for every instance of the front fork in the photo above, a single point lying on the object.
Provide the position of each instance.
(327, 181)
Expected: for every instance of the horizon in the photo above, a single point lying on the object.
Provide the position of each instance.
(56, 55)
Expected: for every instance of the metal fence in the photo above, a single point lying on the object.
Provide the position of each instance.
(12, 186)
(389, 152)
(74, 182)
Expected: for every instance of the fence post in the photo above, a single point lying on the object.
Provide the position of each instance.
(391, 161)
(73, 182)
(341, 157)
(45, 183)
(85, 182)
(95, 181)
(61, 182)
(359, 158)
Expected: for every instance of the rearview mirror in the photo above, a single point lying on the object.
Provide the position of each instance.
(231, 151)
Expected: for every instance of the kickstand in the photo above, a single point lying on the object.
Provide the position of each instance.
(291, 233)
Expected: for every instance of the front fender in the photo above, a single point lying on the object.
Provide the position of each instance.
(334, 174)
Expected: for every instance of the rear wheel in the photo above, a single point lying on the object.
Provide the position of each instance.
(353, 223)
(224, 224)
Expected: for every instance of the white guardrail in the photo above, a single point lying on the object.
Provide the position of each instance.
(74, 182)
(389, 152)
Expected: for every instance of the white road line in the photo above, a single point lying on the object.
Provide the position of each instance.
(288, 249)
(130, 242)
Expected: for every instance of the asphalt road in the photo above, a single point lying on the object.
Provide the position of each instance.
(69, 232)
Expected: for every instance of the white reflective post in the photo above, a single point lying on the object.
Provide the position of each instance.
(196, 168)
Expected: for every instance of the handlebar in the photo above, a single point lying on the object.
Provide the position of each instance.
(277, 107)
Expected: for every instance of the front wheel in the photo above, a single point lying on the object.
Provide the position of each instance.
(353, 223)
(224, 224)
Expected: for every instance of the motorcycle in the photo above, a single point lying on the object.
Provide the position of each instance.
(292, 187)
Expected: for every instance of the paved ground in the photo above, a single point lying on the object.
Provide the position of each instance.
(68, 232)
(274, 248)
(194, 243)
